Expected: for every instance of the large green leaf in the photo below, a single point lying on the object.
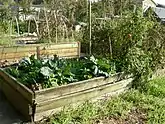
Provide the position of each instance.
(51, 73)
(46, 71)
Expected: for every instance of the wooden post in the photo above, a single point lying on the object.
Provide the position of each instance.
(47, 24)
(37, 27)
(79, 49)
(38, 52)
(110, 47)
(29, 26)
(87, 10)
(90, 29)
(55, 17)
(17, 25)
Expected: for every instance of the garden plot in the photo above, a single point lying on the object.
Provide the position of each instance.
(43, 86)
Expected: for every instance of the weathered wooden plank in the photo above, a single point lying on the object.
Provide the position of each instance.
(15, 49)
(20, 51)
(54, 92)
(81, 96)
(59, 46)
(59, 51)
(31, 47)
(17, 100)
(70, 56)
(16, 59)
(21, 55)
(16, 55)
(26, 92)
(48, 113)
(50, 93)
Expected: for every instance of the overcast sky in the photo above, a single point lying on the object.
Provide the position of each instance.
(160, 2)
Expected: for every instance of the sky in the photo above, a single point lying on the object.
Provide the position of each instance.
(160, 2)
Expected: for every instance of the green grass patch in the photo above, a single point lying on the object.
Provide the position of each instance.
(147, 107)
(156, 87)
(6, 40)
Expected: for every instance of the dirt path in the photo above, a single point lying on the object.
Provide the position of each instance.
(7, 114)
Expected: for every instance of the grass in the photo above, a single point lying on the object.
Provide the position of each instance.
(6, 40)
(146, 107)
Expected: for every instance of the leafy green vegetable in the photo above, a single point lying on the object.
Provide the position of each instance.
(46, 73)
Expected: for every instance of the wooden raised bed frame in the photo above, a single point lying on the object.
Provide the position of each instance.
(15, 53)
(36, 105)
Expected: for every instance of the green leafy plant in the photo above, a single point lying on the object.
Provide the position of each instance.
(133, 42)
(46, 73)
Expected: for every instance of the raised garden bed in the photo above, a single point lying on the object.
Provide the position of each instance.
(35, 104)
(9, 55)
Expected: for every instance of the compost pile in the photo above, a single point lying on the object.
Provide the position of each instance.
(45, 73)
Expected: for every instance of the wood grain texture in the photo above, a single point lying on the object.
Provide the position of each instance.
(79, 49)
(12, 82)
(59, 52)
(15, 49)
(35, 104)
(17, 100)
(49, 113)
(81, 96)
(7, 56)
(55, 92)
(18, 52)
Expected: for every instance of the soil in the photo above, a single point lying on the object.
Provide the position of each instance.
(8, 115)
(135, 116)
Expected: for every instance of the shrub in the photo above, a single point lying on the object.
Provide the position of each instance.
(134, 42)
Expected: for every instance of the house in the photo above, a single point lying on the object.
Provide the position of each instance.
(158, 6)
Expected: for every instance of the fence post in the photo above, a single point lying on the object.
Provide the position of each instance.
(38, 52)
(79, 49)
